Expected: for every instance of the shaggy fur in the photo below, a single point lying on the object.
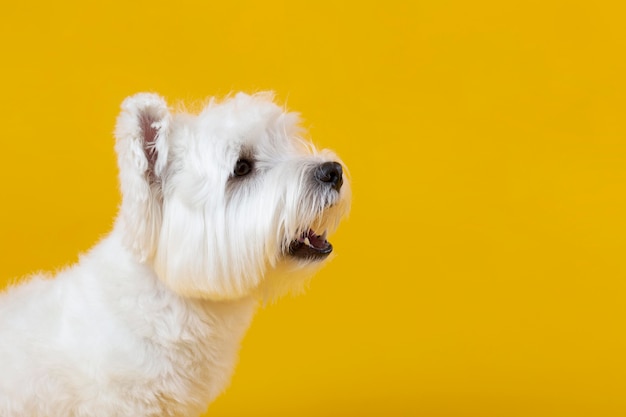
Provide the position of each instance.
(219, 209)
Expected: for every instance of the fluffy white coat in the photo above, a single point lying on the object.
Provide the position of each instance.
(149, 322)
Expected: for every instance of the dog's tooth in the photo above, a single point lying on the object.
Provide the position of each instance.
(307, 241)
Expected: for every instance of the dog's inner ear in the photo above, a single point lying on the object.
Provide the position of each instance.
(149, 132)
(148, 124)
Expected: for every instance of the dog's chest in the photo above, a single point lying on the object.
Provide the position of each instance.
(194, 348)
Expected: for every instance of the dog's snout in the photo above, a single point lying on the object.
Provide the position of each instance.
(330, 173)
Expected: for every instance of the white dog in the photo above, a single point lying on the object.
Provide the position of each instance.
(219, 210)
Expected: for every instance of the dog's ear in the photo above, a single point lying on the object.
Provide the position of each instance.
(142, 135)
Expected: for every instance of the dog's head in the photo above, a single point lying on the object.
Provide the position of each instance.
(227, 202)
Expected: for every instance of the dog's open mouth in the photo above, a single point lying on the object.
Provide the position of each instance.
(310, 246)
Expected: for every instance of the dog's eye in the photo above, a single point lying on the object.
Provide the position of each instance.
(242, 167)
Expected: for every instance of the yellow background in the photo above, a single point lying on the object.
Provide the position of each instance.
(482, 271)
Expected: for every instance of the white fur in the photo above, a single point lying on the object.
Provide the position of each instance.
(148, 323)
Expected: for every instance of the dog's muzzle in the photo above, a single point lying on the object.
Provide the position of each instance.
(309, 245)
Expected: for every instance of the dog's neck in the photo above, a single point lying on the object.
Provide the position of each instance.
(197, 339)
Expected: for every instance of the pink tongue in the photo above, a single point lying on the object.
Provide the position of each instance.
(316, 241)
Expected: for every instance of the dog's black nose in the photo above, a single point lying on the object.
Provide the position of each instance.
(330, 173)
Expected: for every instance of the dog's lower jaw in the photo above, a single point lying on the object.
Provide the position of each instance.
(154, 353)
